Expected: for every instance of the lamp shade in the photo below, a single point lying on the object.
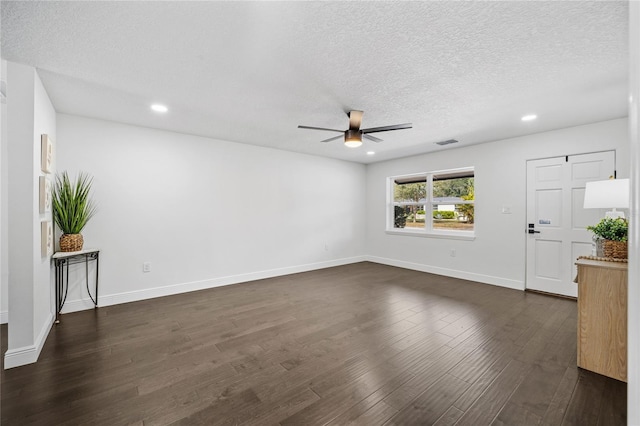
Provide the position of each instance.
(607, 194)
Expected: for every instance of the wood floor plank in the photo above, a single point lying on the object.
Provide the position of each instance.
(373, 408)
(362, 344)
(590, 387)
(223, 393)
(535, 393)
(343, 399)
(326, 363)
(515, 414)
(482, 383)
(432, 404)
(283, 407)
(559, 402)
(613, 404)
(473, 367)
(222, 411)
(485, 409)
(376, 415)
(450, 417)
(426, 374)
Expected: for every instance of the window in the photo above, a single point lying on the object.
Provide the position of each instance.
(436, 203)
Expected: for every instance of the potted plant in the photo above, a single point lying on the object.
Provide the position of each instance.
(614, 233)
(72, 208)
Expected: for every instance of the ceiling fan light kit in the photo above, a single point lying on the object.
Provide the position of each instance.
(353, 136)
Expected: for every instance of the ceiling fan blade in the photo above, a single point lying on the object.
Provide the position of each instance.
(371, 138)
(333, 138)
(320, 128)
(387, 128)
(355, 119)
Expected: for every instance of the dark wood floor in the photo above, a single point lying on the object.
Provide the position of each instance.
(358, 344)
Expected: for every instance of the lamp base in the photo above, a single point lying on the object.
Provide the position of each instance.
(614, 214)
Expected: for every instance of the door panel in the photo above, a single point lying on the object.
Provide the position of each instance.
(579, 249)
(586, 171)
(581, 218)
(548, 254)
(555, 195)
(549, 208)
(549, 174)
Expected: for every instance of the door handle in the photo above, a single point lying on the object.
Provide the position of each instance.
(533, 231)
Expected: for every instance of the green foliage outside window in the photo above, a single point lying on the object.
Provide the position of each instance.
(413, 192)
(410, 191)
(446, 214)
(452, 187)
(467, 209)
(399, 217)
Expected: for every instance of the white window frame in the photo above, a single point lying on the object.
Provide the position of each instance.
(428, 230)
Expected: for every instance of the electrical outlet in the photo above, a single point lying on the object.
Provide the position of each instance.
(452, 253)
(146, 267)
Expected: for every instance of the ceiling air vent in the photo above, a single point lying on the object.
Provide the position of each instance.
(447, 142)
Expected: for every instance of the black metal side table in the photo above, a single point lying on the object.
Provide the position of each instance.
(62, 259)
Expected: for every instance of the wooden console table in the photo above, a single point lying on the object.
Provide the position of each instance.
(602, 317)
(60, 260)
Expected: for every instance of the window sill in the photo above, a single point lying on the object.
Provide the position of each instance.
(451, 235)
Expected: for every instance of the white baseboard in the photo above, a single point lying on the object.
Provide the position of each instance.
(78, 305)
(150, 293)
(28, 354)
(486, 279)
(4, 317)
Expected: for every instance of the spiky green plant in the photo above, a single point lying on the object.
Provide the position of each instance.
(72, 207)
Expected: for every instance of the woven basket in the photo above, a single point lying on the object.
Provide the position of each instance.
(71, 242)
(615, 249)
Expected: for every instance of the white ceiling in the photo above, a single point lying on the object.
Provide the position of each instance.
(251, 72)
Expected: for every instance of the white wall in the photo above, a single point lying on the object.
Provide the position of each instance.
(633, 382)
(29, 114)
(4, 258)
(497, 255)
(44, 123)
(205, 212)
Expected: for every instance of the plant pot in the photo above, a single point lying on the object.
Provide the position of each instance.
(71, 242)
(615, 249)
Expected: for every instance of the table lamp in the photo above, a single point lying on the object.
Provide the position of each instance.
(607, 194)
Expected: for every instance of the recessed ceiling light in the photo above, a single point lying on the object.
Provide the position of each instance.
(159, 108)
(371, 153)
(529, 117)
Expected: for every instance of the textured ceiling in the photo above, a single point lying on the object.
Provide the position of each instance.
(251, 72)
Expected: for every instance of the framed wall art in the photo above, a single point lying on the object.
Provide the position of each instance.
(46, 153)
(45, 195)
(46, 235)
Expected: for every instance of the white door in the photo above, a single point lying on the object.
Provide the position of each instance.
(556, 221)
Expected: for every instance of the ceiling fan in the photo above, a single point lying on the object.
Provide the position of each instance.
(353, 136)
